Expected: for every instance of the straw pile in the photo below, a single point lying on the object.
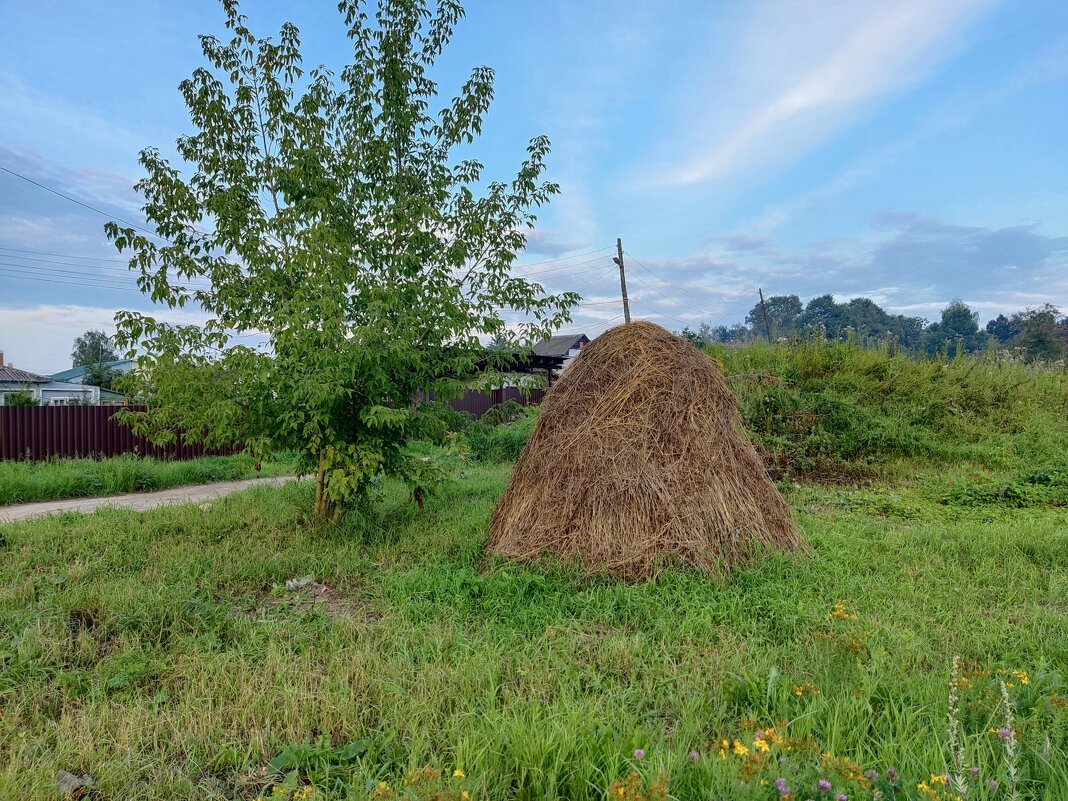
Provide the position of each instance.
(637, 460)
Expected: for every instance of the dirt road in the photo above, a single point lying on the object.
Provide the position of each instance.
(138, 501)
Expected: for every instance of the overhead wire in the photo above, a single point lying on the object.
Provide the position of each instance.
(86, 205)
(63, 255)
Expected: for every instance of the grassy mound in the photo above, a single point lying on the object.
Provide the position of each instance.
(835, 408)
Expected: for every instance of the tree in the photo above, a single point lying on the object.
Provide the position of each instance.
(332, 214)
(22, 397)
(863, 316)
(93, 347)
(1002, 328)
(100, 375)
(782, 312)
(958, 330)
(1039, 332)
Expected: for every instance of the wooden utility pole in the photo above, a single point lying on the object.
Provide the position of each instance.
(764, 308)
(622, 279)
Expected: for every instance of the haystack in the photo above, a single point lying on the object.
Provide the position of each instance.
(637, 460)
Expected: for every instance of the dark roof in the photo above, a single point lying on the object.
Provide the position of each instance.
(560, 344)
(22, 377)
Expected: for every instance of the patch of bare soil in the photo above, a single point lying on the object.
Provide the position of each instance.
(308, 596)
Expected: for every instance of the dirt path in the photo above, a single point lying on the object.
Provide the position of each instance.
(138, 501)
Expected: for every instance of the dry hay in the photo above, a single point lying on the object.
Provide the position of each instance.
(637, 459)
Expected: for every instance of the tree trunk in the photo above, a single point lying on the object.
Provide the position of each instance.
(320, 490)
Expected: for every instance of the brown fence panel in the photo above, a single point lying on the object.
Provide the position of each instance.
(35, 433)
(478, 403)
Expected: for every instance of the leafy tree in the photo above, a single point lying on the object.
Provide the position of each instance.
(100, 375)
(821, 314)
(332, 214)
(782, 313)
(93, 347)
(861, 316)
(707, 334)
(1040, 332)
(1002, 328)
(958, 329)
(22, 397)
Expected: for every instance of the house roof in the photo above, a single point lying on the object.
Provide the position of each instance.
(560, 344)
(17, 376)
(77, 373)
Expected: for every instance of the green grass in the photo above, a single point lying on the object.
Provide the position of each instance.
(160, 653)
(832, 409)
(26, 482)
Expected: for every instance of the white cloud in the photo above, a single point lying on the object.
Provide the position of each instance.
(803, 70)
(39, 338)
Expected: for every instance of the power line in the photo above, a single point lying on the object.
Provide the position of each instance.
(78, 279)
(62, 255)
(595, 280)
(565, 258)
(85, 205)
(68, 283)
(556, 272)
(91, 274)
(665, 281)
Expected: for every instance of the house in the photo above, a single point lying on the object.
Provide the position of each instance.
(76, 375)
(563, 347)
(46, 390)
(108, 397)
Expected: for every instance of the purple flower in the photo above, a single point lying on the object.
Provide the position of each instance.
(891, 775)
(693, 756)
(823, 785)
(639, 753)
(991, 785)
(841, 797)
(1004, 734)
(872, 775)
(780, 785)
(975, 774)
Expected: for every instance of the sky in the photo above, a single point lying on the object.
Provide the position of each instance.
(910, 151)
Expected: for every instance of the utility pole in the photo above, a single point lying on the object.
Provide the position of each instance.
(764, 308)
(622, 279)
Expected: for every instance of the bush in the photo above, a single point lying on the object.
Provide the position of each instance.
(502, 443)
(835, 407)
(437, 420)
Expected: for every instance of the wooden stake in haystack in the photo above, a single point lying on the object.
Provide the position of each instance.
(638, 460)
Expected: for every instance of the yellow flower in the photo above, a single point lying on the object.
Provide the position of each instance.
(1022, 676)
(762, 744)
(465, 796)
(740, 749)
(459, 774)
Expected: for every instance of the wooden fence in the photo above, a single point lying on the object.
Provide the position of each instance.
(35, 433)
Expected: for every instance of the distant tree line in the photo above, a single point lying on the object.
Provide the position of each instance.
(1036, 333)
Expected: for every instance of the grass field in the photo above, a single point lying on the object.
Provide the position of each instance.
(27, 482)
(163, 654)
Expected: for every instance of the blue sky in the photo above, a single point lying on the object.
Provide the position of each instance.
(907, 150)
